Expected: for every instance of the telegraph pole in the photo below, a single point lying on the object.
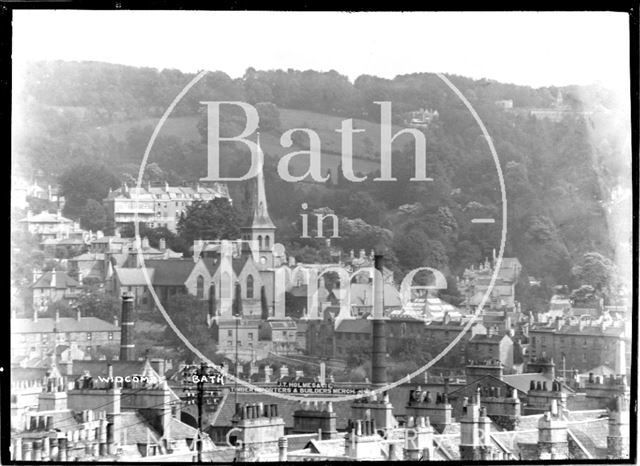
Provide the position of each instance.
(202, 374)
(200, 388)
(235, 389)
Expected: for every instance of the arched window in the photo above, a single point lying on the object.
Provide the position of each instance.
(225, 290)
(267, 242)
(200, 287)
(250, 286)
(260, 241)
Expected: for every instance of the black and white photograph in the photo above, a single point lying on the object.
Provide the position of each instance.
(292, 236)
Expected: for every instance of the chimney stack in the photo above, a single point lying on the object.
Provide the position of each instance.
(379, 350)
(282, 449)
(127, 346)
(619, 434)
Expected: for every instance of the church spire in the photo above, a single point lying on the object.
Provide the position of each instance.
(260, 217)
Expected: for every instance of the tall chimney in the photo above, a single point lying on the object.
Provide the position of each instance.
(379, 350)
(127, 346)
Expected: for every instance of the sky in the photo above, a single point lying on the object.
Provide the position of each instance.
(535, 49)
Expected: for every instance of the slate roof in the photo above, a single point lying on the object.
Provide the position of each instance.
(523, 381)
(282, 324)
(64, 324)
(136, 429)
(64, 420)
(286, 408)
(89, 256)
(96, 368)
(112, 239)
(46, 217)
(170, 272)
(354, 326)
(63, 281)
(133, 276)
(492, 339)
(592, 435)
(27, 373)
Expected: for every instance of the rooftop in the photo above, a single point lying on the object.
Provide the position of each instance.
(62, 281)
(64, 324)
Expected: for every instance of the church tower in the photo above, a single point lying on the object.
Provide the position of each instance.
(260, 228)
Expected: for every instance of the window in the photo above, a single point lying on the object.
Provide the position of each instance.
(88, 336)
(250, 335)
(250, 286)
(110, 336)
(267, 242)
(200, 287)
(260, 241)
(229, 333)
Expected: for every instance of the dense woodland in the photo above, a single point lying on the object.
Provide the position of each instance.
(85, 127)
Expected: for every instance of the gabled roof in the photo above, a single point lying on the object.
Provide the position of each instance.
(133, 276)
(238, 263)
(170, 272)
(63, 281)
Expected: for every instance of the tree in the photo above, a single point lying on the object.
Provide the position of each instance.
(154, 235)
(93, 217)
(356, 234)
(213, 220)
(213, 309)
(96, 303)
(263, 303)
(595, 270)
(237, 301)
(188, 314)
(269, 116)
(82, 182)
